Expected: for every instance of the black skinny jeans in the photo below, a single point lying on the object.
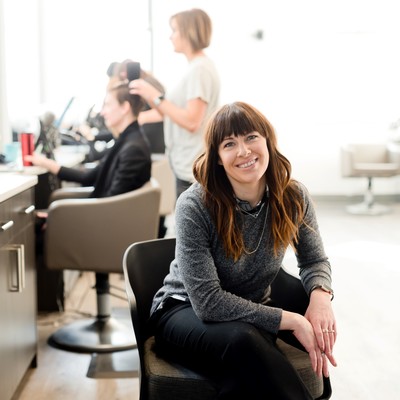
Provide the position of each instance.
(243, 360)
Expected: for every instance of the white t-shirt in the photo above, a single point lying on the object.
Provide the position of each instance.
(201, 80)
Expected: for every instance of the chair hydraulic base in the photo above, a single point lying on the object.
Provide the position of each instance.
(368, 206)
(94, 336)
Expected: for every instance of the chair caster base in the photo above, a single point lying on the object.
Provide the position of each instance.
(94, 336)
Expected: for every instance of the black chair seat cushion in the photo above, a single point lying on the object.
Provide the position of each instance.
(170, 381)
(301, 362)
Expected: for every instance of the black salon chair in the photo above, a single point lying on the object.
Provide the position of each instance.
(145, 265)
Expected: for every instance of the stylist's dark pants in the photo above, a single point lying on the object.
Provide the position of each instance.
(244, 361)
(181, 186)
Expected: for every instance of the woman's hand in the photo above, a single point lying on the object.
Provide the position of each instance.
(144, 90)
(320, 314)
(44, 162)
(304, 333)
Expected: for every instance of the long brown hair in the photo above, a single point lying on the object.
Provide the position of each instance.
(285, 199)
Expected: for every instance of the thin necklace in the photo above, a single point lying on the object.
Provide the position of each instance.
(262, 233)
(252, 214)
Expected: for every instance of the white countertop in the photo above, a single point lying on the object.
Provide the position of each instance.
(15, 179)
(67, 156)
(13, 184)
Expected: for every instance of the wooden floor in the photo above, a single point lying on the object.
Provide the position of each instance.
(364, 253)
(61, 375)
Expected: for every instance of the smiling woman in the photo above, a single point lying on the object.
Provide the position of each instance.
(233, 226)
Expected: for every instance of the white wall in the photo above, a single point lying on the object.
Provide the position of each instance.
(59, 49)
(81, 38)
(21, 58)
(4, 122)
(325, 72)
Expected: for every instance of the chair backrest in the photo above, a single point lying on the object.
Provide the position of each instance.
(155, 135)
(367, 159)
(93, 234)
(369, 152)
(145, 266)
(394, 155)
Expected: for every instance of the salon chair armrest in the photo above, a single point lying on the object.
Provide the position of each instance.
(78, 192)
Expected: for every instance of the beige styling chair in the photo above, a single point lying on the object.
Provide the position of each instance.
(369, 160)
(89, 234)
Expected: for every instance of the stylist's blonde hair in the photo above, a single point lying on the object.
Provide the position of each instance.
(195, 26)
(285, 199)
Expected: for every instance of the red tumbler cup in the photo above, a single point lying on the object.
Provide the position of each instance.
(27, 147)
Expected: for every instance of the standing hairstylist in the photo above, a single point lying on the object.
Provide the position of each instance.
(186, 108)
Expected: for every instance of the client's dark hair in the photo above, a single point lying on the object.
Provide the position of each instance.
(122, 94)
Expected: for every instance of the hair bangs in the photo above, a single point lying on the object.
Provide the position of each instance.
(234, 119)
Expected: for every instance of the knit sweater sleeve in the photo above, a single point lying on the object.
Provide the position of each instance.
(199, 257)
(315, 268)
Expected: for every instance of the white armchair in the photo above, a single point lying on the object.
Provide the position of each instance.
(369, 160)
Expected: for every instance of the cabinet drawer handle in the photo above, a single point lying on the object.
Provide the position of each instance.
(30, 209)
(7, 225)
(19, 284)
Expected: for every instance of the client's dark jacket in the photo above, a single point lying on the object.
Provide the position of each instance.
(125, 167)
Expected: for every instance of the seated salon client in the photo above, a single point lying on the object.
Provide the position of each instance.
(214, 311)
(127, 165)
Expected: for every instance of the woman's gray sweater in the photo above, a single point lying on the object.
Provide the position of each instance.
(220, 289)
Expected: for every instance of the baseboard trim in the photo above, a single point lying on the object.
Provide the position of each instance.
(385, 198)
